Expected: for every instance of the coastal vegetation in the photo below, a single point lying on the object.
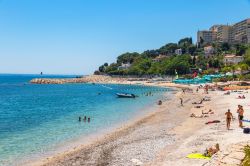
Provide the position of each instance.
(183, 58)
(246, 161)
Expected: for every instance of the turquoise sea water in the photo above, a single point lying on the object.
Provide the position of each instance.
(35, 119)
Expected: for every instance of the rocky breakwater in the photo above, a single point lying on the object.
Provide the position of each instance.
(56, 81)
(87, 79)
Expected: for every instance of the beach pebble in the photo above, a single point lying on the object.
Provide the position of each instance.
(136, 162)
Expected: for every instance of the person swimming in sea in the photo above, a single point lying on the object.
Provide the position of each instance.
(80, 119)
(88, 119)
(85, 118)
(229, 117)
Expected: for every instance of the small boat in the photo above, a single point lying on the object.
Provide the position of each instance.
(125, 95)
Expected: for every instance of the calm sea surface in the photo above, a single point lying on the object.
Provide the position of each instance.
(35, 119)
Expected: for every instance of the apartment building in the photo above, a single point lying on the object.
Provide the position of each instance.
(237, 33)
(241, 32)
(205, 37)
(223, 33)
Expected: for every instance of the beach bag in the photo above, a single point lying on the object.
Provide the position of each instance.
(246, 130)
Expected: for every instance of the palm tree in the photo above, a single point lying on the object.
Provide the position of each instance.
(233, 68)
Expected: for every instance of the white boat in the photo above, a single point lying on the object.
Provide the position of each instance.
(125, 95)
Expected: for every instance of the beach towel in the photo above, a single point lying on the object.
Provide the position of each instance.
(197, 156)
(245, 120)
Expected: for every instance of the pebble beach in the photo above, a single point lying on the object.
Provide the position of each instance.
(167, 135)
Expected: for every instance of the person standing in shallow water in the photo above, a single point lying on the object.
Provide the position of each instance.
(229, 117)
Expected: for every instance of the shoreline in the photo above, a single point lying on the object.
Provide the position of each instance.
(114, 135)
(111, 134)
(84, 142)
(163, 137)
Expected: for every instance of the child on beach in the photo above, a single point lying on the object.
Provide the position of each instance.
(229, 117)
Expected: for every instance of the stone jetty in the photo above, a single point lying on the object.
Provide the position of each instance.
(56, 81)
(86, 79)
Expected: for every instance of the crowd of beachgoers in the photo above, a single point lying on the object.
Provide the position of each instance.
(200, 125)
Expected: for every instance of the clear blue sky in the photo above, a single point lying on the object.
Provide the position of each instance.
(76, 36)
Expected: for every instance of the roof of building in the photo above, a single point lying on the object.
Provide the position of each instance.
(232, 56)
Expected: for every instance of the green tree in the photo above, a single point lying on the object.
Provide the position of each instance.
(191, 49)
(150, 54)
(233, 69)
(201, 62)
(140, 66)
(201, 41)
(240, 49)
(112, 68)
(187, 41)
(168, 48)
(179, 63)
(226, 69)
(225, 46)
(101, 68)
(127, 57)
(243, 67)
(155, 68)
(247, 56)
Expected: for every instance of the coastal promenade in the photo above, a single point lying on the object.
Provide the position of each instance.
(166, 136)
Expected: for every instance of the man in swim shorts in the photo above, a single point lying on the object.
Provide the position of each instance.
(240, 112)
(229, 117)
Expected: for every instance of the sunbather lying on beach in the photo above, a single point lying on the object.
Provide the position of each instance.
(209, 112)
(198, 106)
(211, 151)
(227, 93)
(198, 102)
(241, 97)
(196, 116)
(214, 121)
(206, 99)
